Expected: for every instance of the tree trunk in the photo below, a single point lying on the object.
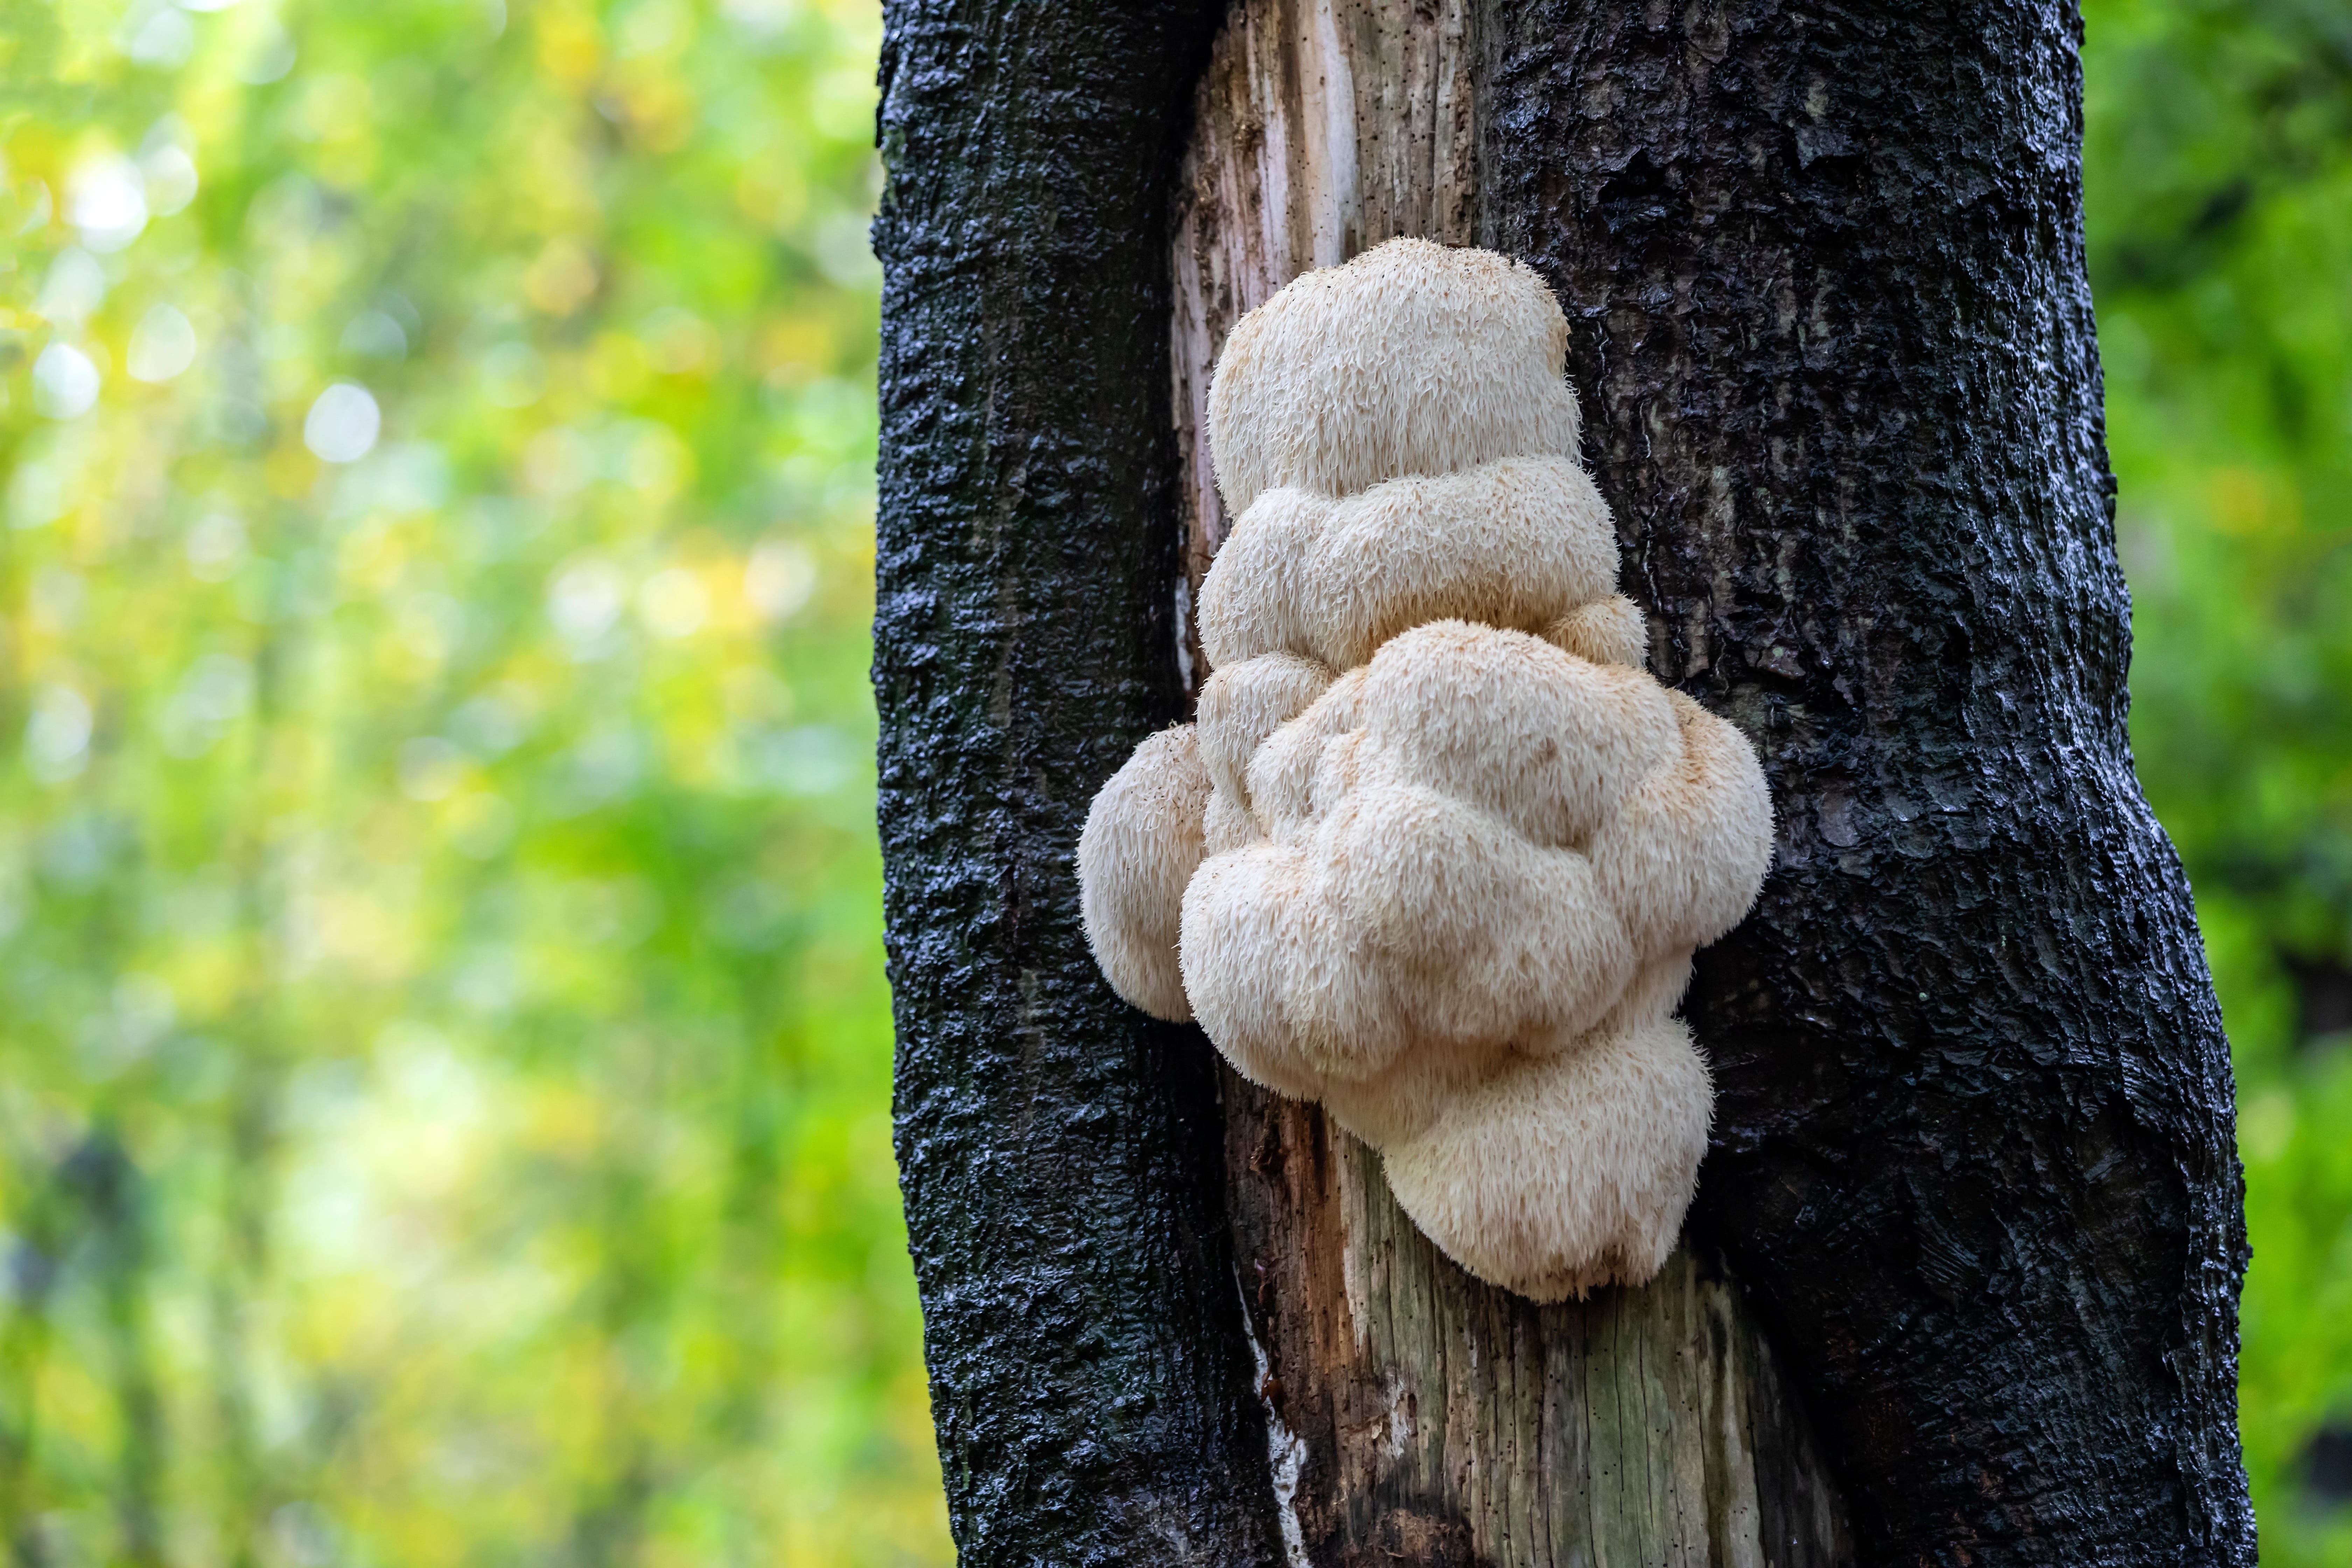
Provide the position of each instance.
(1972, 1157)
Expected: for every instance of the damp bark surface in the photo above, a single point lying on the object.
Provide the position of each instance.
(1974, 1143)
(1971, 1213)
(1090, 1381)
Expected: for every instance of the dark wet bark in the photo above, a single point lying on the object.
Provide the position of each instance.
(1824, 272)
(1974, 1148)
(1060, 1153)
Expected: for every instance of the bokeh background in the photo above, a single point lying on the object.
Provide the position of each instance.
(443, 1051)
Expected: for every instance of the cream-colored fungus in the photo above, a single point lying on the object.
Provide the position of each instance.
(1437, 851)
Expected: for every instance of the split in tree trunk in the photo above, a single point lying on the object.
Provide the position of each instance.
(1418, 1414)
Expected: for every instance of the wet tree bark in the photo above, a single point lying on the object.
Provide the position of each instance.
(1090, 1383)
(1974, 1144)
(1973, 1160)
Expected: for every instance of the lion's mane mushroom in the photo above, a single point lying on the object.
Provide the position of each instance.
(1438, 850)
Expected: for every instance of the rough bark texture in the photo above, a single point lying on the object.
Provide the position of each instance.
(1418, 1414)
(1974, 1155)
(1974, 1146)
(1059, 1153)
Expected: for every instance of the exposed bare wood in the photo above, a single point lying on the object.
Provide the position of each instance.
(1322, 126)
(1425, 1417)
(1417, 1415)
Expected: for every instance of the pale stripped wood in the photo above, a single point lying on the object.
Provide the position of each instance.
(1443, 1421)
(1447, 1422)
(1321, 127)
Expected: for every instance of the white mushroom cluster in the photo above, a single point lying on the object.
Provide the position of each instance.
(1438, 850)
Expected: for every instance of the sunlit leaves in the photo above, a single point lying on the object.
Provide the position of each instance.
(2219, 191)
(437, 889)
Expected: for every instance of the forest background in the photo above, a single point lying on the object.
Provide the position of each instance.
(443, 1049)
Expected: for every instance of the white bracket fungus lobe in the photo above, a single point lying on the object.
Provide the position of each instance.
(1438, 849)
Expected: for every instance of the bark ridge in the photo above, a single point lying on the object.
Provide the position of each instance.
(1090, 1381)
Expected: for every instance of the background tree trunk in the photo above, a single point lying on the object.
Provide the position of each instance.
(1829, 319)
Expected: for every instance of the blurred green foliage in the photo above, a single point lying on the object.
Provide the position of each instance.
(443, 1057)
(444, 1052)
(2218, 186)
